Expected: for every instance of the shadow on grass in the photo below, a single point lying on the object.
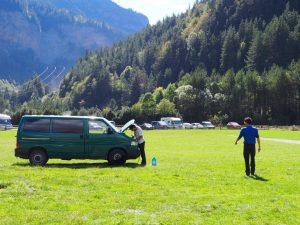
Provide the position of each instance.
(4, 185)
(82, 165)
(259, 178)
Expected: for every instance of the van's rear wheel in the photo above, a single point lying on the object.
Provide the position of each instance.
(116, 157)
(38, 158)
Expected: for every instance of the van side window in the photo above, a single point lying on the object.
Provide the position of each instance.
(67, 126)
(37, 125)
(97, 127)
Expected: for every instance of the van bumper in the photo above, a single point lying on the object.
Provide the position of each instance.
(133, 153)
(21, 153)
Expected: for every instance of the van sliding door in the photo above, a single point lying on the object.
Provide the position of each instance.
(68, 138)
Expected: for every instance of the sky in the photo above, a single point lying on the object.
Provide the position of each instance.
(156, 10)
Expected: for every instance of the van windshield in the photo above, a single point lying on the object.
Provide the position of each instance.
(177, 122)
(5, 121)
(112, 125)
(163, 123)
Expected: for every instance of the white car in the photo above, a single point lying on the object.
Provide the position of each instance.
(187, 126)
(197, 125)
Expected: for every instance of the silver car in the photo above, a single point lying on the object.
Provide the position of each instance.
(197, 126)
(187, 126)
(207, 125)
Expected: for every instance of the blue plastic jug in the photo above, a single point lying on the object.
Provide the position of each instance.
(153, 161)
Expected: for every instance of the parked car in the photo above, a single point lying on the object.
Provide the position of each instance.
(147, 126)
(233, 125)
(159, 125)
(5, 122)
(40, 138)
(197, 125)
(187, 126)
(207, 125)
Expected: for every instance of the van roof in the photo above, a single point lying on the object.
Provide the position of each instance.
(66, 117)
(170, 118)
(4, 116)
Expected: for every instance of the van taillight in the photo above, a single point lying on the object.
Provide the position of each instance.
(17, 145)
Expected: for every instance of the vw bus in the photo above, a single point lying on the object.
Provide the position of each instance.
(40, 138)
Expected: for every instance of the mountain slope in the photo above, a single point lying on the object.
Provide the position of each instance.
(40, 34)
(124, 20)
(215, 35)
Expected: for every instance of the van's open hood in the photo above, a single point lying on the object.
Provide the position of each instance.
(125, 127)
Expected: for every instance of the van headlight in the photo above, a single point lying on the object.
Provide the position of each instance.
(134, 143)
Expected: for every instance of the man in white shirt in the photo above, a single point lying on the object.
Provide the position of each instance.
(138, 136)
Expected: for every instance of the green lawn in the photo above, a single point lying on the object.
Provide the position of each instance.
(199, 179)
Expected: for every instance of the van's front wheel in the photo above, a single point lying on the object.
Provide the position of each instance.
(116, 157)
(38, 158)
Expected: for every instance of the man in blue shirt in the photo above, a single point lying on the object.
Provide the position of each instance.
(250, 134)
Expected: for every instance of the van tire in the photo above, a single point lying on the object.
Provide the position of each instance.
(116, 157)
(38, 157)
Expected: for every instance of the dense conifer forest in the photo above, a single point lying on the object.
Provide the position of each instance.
(221, 60)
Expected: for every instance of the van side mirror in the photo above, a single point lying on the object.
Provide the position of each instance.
(109, 130)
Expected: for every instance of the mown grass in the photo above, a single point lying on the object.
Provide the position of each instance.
(199, 179)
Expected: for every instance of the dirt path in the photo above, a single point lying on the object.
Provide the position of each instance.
(297, 142)
(283, 140)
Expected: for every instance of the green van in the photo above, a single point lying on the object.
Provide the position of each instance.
(40, 138)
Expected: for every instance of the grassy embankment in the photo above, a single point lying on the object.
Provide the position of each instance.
(199, 179)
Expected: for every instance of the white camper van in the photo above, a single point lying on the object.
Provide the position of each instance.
(172, 122)
(5, 122)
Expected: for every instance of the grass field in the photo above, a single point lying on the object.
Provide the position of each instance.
(199, 179)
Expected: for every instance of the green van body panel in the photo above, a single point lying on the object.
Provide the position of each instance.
(96, 144)
(78, 145)
(66, 146)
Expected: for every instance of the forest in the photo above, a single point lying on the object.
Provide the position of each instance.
(221, 60)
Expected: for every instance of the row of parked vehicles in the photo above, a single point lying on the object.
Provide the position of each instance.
(209, 125)
(173, 122)
(164, 123)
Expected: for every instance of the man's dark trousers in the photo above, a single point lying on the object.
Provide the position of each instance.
(249, 151)
(142, 150)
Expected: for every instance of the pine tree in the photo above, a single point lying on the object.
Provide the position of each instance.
(255, 59)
